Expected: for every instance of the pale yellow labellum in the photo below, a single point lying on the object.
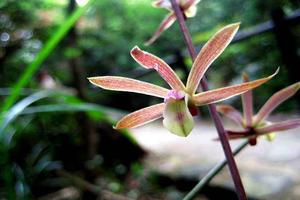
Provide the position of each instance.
(177, 117)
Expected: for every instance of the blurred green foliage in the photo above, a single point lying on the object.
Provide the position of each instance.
(45, 136)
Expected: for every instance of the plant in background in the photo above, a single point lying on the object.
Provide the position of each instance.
(257, 125)
(180, 102)
(188, 7)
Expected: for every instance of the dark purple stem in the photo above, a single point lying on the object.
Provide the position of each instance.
(212, 108)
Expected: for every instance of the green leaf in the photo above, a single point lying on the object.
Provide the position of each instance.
(43, 54)
(70, 104)
(21, 105)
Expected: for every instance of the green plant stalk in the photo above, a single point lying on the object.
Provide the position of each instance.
(42, 55)
(212, 173)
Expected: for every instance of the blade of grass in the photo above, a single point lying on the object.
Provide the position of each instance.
(101, 111)
(21, 105)
(72, 104)
(42, 55)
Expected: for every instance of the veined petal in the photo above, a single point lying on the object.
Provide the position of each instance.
(163, 4)
(188, 3)
(177, 117)
(279, 126)
(128, 85)
(150, 61)
(236, 134)
(141, 117)
(247, 101)
(211, 50)
(231, 113)
(165, 24)
(275, 101)
(221, 94)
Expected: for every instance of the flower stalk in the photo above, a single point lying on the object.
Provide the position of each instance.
(212, 108)
(213, 172)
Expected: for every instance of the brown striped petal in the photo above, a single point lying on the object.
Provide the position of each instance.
(150, 61)
(216, 95)
(128, 85)
(211, 50)
(162, 4)
(141, 117)
(231, 113)
(275, 101)
(165, 24)
(279, 126)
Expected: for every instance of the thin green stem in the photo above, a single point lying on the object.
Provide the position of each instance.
(212, 108)
(212, 173)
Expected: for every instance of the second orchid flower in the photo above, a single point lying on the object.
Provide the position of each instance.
(257, 125)
(188, 7)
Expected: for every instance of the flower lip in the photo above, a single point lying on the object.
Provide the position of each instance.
(174, 95)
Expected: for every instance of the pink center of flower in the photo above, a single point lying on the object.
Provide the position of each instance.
(180, 116)
(174, 95)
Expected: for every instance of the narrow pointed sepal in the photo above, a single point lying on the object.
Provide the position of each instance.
(177, 117)
(117, 83)
(247, 101)
(164, 25)
(141, 117)
(150, 61)
(221, 94)
(162, 4)
(209, 52)
(275, 101)
(231, 113)
(278, 126)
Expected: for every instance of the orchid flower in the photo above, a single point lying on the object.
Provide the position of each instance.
(257, 125)
(188, 7)
(180, 101)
